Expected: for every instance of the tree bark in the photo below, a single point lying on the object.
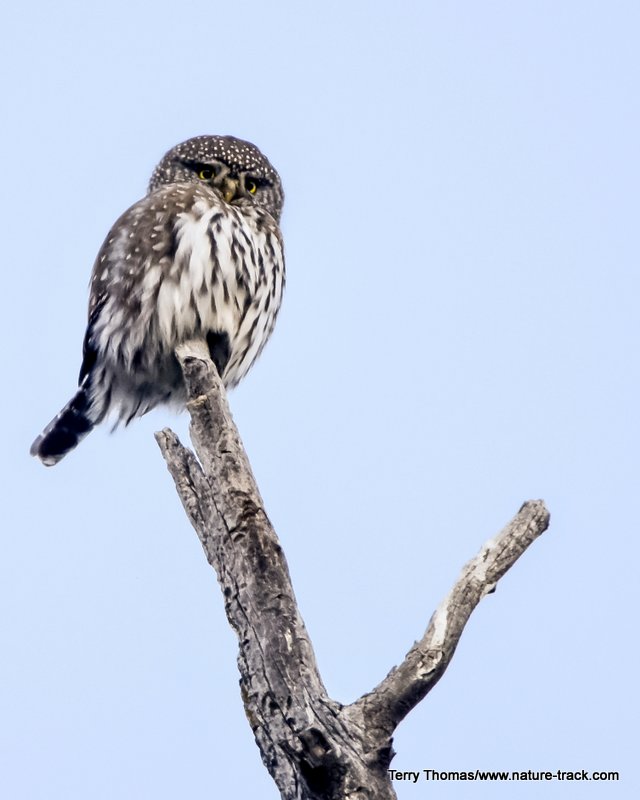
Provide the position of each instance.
(314, 747)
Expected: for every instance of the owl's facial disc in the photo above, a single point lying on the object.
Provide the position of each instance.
(231, 184)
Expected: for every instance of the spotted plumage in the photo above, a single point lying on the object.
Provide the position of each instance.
(200, 256)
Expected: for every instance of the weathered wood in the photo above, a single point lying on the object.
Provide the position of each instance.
(314, 748)
(405, 686)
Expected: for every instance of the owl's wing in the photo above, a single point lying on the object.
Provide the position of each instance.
(143, 237)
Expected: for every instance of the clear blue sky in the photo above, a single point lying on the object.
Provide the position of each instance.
(459, 334)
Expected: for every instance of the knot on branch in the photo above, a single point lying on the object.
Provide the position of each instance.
(318, 764)
(430, 662)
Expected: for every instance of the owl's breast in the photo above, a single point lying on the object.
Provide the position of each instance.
(226, 275)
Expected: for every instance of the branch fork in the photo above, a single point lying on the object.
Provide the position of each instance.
(313, 746)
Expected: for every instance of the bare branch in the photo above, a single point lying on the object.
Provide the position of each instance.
(314, 748)
(187, 475)
(405, 686)
(303, 738)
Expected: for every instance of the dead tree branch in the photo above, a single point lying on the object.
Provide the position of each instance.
(314, 747)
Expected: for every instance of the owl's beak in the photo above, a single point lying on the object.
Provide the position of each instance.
(229, 189)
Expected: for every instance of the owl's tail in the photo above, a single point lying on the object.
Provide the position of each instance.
(67, 429)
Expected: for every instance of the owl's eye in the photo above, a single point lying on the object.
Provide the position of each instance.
(251, 186)
(206, 173)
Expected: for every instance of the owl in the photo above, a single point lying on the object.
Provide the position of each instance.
(200, 256)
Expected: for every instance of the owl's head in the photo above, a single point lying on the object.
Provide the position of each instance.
(237, 169)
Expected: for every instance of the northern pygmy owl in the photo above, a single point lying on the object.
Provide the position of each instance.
(200, 256)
